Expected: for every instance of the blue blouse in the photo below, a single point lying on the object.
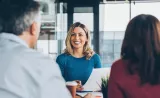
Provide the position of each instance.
(73, 68)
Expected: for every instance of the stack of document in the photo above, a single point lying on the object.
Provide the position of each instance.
(94, 81)
(93, 84)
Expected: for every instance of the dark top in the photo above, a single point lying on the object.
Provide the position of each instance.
(123, 85)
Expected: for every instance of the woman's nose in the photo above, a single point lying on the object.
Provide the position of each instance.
(76, 37)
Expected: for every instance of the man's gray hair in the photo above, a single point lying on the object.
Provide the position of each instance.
(18, 15)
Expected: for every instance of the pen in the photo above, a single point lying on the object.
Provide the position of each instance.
(83, 91)
(87, 91)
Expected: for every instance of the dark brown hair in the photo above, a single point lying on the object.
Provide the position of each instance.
(141, 47)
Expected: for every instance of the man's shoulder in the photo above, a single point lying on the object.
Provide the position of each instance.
(28, 52)
(32, 56)
(33, 60)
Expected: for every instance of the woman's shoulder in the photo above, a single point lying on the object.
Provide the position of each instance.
(119, 64)
(62, 56)
(95, 56)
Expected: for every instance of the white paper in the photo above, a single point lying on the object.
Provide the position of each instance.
(82, 94)
(94, 81)
(94, 94)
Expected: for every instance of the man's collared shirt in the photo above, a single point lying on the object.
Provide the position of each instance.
(25, 73)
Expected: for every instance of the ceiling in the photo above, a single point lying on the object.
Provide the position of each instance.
(98, 0)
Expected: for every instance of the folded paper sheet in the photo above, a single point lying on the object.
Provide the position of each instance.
(94, 94)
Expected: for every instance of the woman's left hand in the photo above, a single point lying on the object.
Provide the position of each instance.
(89, 95)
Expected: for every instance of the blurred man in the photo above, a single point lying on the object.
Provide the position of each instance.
(25, 73)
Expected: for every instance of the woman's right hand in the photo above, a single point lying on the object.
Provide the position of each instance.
(79, 86)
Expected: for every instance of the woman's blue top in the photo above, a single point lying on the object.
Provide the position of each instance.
(73, 68)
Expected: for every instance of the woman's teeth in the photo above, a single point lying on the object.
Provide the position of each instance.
(77, 42)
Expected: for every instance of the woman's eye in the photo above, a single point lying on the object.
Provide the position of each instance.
(72, 34)
(80, 35)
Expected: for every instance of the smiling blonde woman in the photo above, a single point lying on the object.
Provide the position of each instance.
(78, 59)
(83, 32)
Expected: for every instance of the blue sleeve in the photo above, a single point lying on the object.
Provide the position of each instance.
(97, 61)
(61, 62)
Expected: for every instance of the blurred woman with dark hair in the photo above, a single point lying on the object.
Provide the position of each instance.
(137, 73)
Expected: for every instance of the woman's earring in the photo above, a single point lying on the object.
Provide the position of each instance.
(86, 41)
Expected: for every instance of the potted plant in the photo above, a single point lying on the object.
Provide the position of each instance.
(104, 86)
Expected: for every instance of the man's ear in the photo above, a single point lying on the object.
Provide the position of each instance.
(33, 28)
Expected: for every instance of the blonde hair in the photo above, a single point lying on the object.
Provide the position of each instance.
(87, 51)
